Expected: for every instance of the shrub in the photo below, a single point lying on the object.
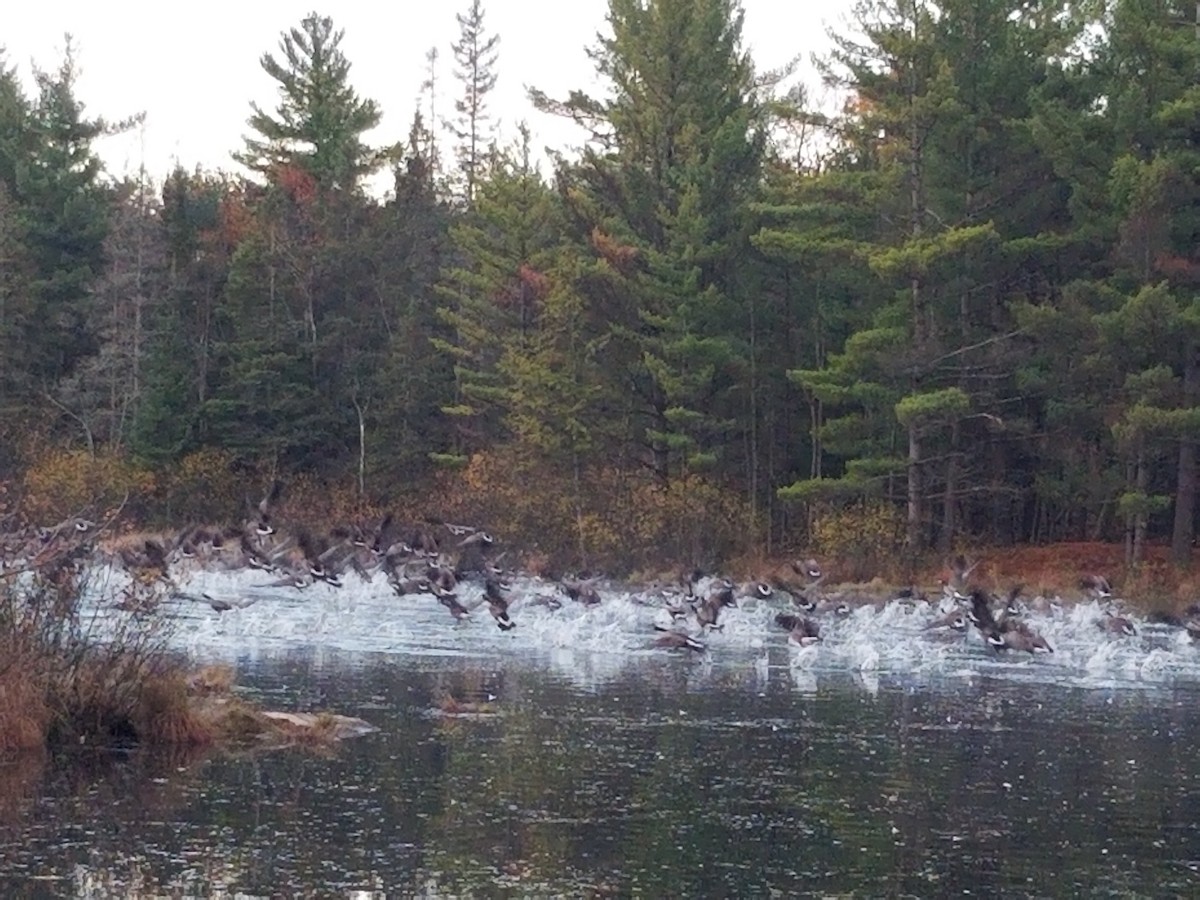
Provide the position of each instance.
(62, 483)
(596, 518)
(201, 487)
(866, 536)
(60, 683)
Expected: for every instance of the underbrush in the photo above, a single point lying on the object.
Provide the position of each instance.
(68, 678)
(63, 683)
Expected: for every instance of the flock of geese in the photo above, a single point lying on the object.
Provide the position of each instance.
(438, 559)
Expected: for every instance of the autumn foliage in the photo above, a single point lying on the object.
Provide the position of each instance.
(597, 518)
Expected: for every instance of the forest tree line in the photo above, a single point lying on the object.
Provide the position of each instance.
(965, 307)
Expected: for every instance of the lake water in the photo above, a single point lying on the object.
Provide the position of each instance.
(883, 763)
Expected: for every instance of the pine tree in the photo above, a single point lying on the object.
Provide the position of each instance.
(405, 379)
(427, 104)
(15, 131)
(201, 218)
(661, 196)
(65, 216)
(475, 55)
(320, 122)
(944, 94)
(16, 266)
(1153, 104)
(492, 299)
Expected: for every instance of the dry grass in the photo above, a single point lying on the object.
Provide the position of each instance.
(61, 686)
(167, 713)
(24, 715)
(212, 680)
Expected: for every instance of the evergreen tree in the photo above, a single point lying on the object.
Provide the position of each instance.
(64, 209)
(491, 300)
(406, 380)
(201, 220)
(944, 94)
(15, 132)
(661, 196)
(475, 56)
(15, 263)
(105, 390)
(320, 122)
(1153, 104)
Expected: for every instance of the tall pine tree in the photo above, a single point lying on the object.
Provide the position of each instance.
(321, 121)
(660, 197)
(475, 56)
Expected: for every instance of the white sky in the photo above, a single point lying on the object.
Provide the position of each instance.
(194, 72)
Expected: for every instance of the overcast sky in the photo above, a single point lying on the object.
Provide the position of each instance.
(194, 71)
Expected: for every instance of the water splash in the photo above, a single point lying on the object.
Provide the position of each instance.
(592, 644)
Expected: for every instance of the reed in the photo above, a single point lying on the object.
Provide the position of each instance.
(63, 682)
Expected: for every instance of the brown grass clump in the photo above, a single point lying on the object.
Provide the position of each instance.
(234, 720)
(211, 680)
(167, 714)
(24, 715)
(60, 686)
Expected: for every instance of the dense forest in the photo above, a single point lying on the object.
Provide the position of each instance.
(964, 308)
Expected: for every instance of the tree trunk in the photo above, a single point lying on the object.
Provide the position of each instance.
(362, 445)
(1184, 531)
(577, 485)
(1139, 526)
(915, 511)
(946, 539)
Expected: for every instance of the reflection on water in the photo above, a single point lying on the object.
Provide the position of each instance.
(678, 777)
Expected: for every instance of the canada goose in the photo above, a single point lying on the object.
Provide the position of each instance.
(442, 577)
(960, 570)
(677, 640)
(471, 550)
(911, 596)
(261, 522)
(410, 586)
(423, 542)
(1013, 634)
(804, 602)
(955, 620)
(455, 530)
(1112, 623)
(148, 563)
(1012, 603)
(297, 580)
(252, 556)
(1189, 620)
(801, 630)
(1096, 585)
(449, 600)
(677, 608)
(547, 600)
(1007, 633)
(837, 605)
(497, 605)
(581, 591)
(709, 610)
(798, 576)
(374, 539)
(476, 539)
(323, 556)
(755, 590)
(221, 605)
(810, 568)
(980, 613)
(951, 594)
